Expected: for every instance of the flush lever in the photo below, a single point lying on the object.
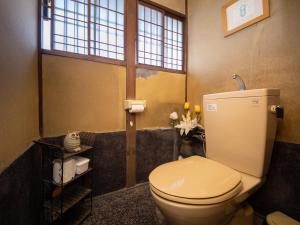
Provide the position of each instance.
(278, 110)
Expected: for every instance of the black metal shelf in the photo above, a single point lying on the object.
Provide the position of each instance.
(60, 199)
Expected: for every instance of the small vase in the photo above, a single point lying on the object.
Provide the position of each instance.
(186, 148)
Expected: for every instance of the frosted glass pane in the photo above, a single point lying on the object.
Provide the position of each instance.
(141, 44)
(104, 3)
(58, 46)
(180, 27)
(180, 38)
(141, 12)
(120, 21)
(141, 27)
(154, 31)
(70, 30)
(103, 34)
(159, 18)
(147, 29)
(154, 16)
(112, 19)
(46, 34)
(112, 5)
(174, 25)
(112, 55)
(159, 32)
(59, 27)
(70, 5)
(120, 6)
(59, 3)
(103, 46)
(112, 37)
(147, 14)
(103, 16)
(120, 50)
(103, 53)
(120, 56)
(141, 60)
(120, 38)
(70, 48)
(169, 23)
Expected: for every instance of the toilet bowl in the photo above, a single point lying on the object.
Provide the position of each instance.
(199, 191)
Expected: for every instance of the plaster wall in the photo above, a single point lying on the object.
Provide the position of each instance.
(177, 5)
(18, 78)
(81, 95)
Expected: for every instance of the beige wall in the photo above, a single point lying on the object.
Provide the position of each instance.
(177, 5)
(18, 78)
(88, 96)
(265, 55)
(82, 95)
(165, 93)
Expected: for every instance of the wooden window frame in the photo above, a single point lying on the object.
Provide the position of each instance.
(87, 57)
(165, 12)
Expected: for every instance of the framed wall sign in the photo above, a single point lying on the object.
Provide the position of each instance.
(239, 14)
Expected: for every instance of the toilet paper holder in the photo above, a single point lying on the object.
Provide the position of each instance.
(128, 103)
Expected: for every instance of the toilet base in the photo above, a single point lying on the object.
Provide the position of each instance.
(183, 214)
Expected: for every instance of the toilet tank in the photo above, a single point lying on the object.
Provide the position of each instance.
(240, 128)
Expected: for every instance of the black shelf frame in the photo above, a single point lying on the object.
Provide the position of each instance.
(59, 199)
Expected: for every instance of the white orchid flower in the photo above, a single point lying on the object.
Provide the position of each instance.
(187, 125)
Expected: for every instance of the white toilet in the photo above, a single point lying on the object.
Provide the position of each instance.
(240, 129)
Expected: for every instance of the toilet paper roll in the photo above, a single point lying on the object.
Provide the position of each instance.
(136, 109)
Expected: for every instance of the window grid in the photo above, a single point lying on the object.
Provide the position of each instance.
(150, 30)
(87, 27)
(70, 26)
(173, 43)
(169, 53)
(107, 29)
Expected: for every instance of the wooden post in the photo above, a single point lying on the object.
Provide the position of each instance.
(131, 29)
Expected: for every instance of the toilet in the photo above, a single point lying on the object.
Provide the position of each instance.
(240, 129)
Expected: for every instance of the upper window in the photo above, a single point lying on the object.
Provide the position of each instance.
(89, 27)
(160, 38)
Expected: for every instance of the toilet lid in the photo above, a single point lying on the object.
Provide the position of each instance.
(195, 177)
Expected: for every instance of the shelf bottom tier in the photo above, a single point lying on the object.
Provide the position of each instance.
(75, 216)
(71, 197)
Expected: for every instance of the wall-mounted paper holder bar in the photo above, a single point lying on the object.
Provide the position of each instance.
(134, 106)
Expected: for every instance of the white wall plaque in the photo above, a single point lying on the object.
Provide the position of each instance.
(239, 14)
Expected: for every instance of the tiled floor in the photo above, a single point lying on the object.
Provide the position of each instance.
(132, 206)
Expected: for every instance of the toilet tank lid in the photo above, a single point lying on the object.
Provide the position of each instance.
(244, 94)
(195, 178)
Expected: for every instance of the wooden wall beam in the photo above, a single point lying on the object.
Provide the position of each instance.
(131, 27)
(186, 36)
(40, 71)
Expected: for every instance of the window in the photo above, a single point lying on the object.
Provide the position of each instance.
(173, 44)
(150, 29)
(160, 38)
(87, 27)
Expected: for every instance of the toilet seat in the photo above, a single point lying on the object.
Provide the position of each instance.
(204, 201)
(195, 180)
